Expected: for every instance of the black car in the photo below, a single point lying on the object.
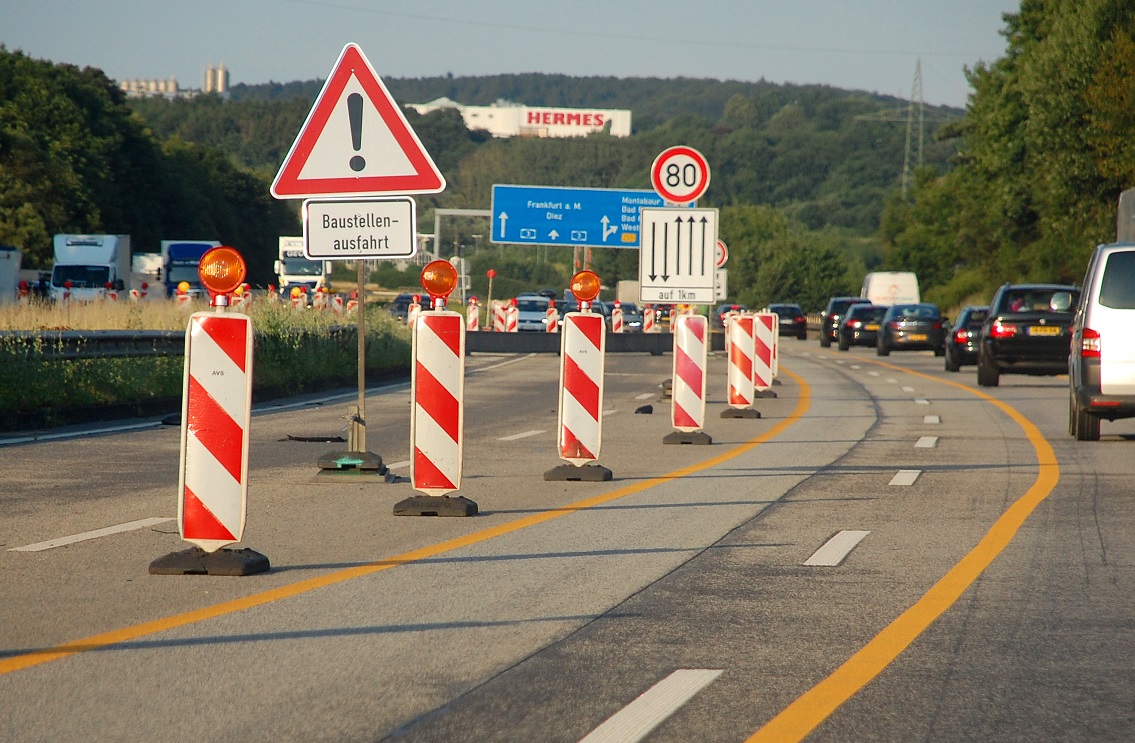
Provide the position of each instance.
(910, 327)
(717, 320)
(792, 320)
(1028, 331)
(399, 307)
(961, 341)
(860, 326)
(833, 314)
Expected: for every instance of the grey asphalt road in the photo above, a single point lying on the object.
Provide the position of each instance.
(983, 590)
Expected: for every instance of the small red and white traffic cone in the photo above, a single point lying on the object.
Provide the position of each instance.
(741, 348)
(473, 316)
(552, 318)
(764, 357)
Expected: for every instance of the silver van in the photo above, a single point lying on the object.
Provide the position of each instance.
(1101, 366)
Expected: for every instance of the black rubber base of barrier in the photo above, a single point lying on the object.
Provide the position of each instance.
(351, 463)
(571, 473)
(196, 561)
(740, 413)
(687, 437)
(765, 394)
(435, 505)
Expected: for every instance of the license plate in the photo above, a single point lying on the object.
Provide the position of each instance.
(917, 336)
(1044, 330)
(870, 327)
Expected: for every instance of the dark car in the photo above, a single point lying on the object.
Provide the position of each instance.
(399, 307)
(1028, 331)
(961, 341)
(632, 317)
(833, 314)
(911, 327)
(792, 320)
(717, 320)
(860, 326)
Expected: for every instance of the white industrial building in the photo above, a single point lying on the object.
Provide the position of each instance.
(507, 119)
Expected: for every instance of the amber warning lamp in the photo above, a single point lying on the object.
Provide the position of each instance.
(439, 279)
(222, 270)
(585, 287)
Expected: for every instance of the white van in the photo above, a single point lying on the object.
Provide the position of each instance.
(1101, 366)
(891, 287)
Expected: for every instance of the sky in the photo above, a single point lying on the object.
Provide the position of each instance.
(871, 45)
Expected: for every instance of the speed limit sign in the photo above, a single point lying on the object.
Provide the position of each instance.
(680, 174)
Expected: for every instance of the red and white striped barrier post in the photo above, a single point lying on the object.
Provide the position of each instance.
(337, 305)
(648, 324)
(216, 411)
(473, 316)
(741, 348)
(137, 295)
(691, 353)
(109, 292)
(580, 424)
(498, 311)
(765, 352)
(67, 291)
(23, 292)
(512, 317)
(617, 318)
(353, 302)
(184, 301)
(552, 318)
(437, 414)
(272, 295)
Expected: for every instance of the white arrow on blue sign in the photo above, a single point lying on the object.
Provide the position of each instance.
(552, 215)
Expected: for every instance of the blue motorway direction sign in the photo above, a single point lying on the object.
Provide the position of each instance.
(551, 215)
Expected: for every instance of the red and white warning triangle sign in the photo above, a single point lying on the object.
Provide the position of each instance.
(356, 142)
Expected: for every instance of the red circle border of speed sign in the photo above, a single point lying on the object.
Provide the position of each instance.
(699, 162)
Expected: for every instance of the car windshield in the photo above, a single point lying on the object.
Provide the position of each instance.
(867, 313)
(532, 305)
(81, 277)
(916, 312)
(1039, 299)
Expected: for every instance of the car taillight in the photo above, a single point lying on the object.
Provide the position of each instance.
(938, 325)
(961, 336)
(800, 320)
(1001, 330)
(1090, 344)
(894, 325)
(855, 323)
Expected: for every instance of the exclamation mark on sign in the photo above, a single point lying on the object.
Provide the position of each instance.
(355, 114)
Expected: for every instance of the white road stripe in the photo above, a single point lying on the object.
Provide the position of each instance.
(645, 395)
(905, 477)
(635, 721)
(908, 389)
(398, 465)
(926, 442)
(921, 401)
(836, 549)
(855, 366)
(61, 541)
(524, 435)
(892, 380)
(610, 411)
(932, 420)
(872, 373)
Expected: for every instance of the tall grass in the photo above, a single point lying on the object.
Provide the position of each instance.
(294, 351)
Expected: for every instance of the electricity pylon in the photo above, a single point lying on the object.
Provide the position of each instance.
(915, 108)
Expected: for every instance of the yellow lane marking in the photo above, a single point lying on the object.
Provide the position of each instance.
(15, 663)
(818, 703)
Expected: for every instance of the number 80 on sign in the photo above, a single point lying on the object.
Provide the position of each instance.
(680, 174)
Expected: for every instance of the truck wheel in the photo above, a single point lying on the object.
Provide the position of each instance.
(987, 373)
